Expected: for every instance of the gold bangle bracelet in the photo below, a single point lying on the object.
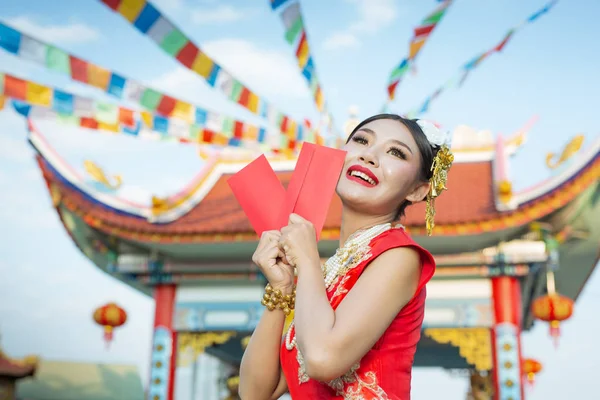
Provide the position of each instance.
(273, 299)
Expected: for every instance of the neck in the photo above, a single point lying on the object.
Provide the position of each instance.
(353, 221)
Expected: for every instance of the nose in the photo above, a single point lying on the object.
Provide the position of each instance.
(368, 157)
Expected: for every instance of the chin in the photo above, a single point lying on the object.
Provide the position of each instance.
(356, 198)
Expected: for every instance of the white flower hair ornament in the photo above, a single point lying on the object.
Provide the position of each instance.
(436, 136)
(441, 164)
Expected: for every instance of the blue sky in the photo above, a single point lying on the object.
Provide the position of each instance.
(49, 289)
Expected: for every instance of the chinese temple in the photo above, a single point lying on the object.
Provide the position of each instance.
(506, 260)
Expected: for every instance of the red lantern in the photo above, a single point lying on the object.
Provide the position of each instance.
(553, 308)
(531, 368)
(110, 316)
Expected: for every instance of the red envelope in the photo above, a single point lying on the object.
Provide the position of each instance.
(319, 186)
(260, 193)
(295, 185)
(267, 204)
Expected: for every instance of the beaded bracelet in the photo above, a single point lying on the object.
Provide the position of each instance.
(274, 299)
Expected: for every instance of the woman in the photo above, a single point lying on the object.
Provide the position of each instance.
(358, 318)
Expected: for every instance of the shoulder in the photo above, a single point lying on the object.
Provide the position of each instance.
(399, 240)
(396, 253)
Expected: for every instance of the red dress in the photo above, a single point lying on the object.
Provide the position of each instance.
(385, 371)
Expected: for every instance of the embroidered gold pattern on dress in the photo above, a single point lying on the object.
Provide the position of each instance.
(367, 383)
(302, 375)
(340, 289)
(354, 385)
(338, 384)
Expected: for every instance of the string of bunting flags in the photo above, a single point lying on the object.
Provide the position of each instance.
(465, 70)
(33, 100)
(114, 84)
(117, 85)
(421, 34)
(146, 18)
(296, 36)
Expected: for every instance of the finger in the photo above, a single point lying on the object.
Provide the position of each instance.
(272, 253)
(271, 235)
(296, 219)
(283, 243)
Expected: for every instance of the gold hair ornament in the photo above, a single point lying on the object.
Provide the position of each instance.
(441, 164)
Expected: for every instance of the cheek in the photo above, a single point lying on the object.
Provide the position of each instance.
(399, 173)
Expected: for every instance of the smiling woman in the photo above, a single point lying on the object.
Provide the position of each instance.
(358, 318)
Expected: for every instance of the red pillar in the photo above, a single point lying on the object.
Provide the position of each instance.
(506, 334)
(162, 371)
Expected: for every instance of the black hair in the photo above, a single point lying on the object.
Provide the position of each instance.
(427, 151)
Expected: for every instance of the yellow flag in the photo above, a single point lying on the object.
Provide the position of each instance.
(220, 139)
(38, 94)
(303, 53)
(415, 46)
(183, 111)
(148, 119)
(98, 76)
(202, 65)
(131, 9)
(253, 102)
(108, 127)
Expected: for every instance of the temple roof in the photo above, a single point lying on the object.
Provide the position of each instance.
(207, 211)
(17, 368)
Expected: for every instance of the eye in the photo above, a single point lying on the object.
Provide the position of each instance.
(396, 152)
(359, 139)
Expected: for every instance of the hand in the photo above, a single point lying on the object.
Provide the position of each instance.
(271, 261)
(299, 241)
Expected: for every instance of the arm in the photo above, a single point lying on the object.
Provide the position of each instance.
(332, 341)
(260, 373)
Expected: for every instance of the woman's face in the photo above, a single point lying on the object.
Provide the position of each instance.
(382, 169)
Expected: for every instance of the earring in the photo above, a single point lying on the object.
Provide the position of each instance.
(429, 214)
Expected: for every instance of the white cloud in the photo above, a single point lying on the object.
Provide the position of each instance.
(374, 15)
(73, 32)
(267, 71)
(220, 15)
(340, 40)
(180, 82)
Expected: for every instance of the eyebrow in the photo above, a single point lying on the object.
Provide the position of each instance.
(372, 132)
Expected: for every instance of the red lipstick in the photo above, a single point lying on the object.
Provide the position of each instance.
(362, 175)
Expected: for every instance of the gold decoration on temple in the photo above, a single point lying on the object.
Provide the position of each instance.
(569, 151)
(160, 205)
(481, 386)
(233, 384)
(441, 164)
(504, 191)
(244, 342)
(55, 195)
(191, 344)
(96, 173)
(474, 344)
